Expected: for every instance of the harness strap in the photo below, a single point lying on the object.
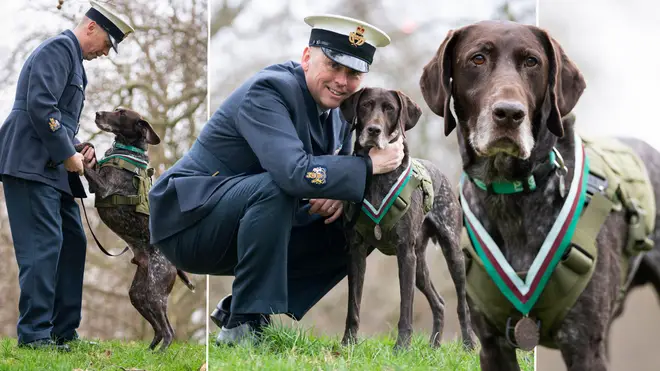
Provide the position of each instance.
(125, 162)
(143, 175)
(133, 165)
(580, 258)
(390, 212)
(566, 283)
(114, 200)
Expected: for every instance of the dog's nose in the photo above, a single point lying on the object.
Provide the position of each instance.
(509, 114)
(373, 130)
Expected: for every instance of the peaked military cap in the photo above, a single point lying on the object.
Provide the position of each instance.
(347, 41)
(116, 28)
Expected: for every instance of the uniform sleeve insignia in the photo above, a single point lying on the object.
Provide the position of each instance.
(317, 176)
(54, 124)
(338, 149)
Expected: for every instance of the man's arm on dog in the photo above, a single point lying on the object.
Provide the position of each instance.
(332, 209)
(265, 123)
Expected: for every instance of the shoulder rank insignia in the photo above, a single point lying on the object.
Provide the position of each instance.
(317, 176)
(54, 124)
(357, 38)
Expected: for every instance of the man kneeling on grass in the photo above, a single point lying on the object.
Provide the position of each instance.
(258, 194)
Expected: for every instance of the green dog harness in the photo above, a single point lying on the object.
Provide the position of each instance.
(375, 222)
(608, 176)
(141, 180)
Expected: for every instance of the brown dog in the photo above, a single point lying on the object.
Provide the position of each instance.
(155, 275)
(513, 87)
(380, 116)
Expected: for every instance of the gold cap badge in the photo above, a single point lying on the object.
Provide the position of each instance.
(356, 38)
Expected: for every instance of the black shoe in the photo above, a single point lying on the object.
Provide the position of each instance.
(72, 339)
(220, 315)
(249, 331)
(46, 344)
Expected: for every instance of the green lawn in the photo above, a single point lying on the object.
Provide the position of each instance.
(106, 355)
(287, 348)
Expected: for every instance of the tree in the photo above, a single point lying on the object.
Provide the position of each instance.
(160, 71)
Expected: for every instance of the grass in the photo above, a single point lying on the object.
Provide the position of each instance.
(292, 348)
(106, 355)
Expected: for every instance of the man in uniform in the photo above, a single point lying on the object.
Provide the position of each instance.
(251, 197)
(40, 171)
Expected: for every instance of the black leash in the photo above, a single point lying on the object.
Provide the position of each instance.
(93, 235)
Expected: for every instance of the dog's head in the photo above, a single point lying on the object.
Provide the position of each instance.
(511, 83)
(127, 125)
(379, 115)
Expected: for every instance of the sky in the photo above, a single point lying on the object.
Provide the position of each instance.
(615, 43)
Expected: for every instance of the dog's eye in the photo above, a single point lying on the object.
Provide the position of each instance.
(478, 59)
(531, 62)
(388, 107)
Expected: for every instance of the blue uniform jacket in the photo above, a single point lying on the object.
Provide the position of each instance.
(269, 124)
(38, 135)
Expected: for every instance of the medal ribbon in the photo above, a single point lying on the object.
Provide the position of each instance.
(377, 214)
(524, 294)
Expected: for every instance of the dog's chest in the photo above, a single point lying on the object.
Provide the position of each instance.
(118, 180)
(518, 229)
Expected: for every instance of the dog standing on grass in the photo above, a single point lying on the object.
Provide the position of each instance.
(121, 182)
(426, 208)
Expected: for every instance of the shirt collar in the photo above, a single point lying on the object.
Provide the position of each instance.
(72, 36)
(321, 111)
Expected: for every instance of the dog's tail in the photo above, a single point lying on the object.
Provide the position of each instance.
(185, 279)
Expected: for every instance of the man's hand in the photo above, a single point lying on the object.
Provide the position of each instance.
(89, 157)
(387, 159)
(74, 164)
(325, 207)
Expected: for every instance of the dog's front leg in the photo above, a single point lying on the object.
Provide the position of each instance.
(94, 179)
(356, 269)
(407, 270)
(583, 348)
(96, 182)
(496, 353)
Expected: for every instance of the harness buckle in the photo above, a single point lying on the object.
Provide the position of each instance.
(638, 241)
(558, 161)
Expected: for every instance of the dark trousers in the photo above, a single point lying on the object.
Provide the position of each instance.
(278, 268)
(50, 245)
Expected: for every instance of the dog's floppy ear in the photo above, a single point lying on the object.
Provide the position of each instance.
(435, 81)
(409, 111)
(148, 132)
(349, 107)
(565, 84)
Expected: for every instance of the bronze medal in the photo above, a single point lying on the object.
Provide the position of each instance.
(526, 334)
(377, 232)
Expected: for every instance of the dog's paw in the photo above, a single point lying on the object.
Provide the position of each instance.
(400, 347)
(80, 146)
(349, 339)
(469, 344)
(435, 340)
